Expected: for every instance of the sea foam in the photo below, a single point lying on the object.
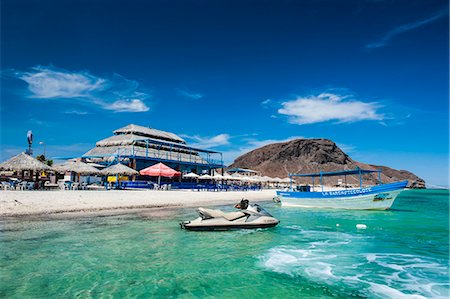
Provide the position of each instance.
(336, 258)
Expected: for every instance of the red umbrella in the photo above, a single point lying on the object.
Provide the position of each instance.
(160, 170)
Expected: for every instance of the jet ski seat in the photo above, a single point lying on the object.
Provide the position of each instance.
(210, 213)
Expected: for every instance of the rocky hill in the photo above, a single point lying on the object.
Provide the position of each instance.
(314, 155)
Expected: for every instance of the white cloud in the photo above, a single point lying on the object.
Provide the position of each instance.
(265, 102)
(403, 28)
(208, 142)
(347, 148)
(188, 94)
(329, 106)
(74, 111)
(134, 105)
(115, 93)
(48, 83)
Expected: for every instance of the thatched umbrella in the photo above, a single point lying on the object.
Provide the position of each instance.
(24, 162)
(79, 167)
(226, 176)
(205, 177)
(286, 180)
(191, 175)
(119, 169)
(265, 178)
(218, 177)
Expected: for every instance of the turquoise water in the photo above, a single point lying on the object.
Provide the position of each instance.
(312, 253)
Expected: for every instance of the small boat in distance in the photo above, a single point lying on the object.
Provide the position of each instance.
(378, 197)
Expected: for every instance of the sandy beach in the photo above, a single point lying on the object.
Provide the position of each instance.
(21, 203)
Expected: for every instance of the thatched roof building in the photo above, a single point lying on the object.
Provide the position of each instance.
(141, 147)
(24, 162)
(149, 132)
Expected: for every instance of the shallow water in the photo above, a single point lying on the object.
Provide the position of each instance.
(311, 253)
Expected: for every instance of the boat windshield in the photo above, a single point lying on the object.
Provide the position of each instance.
(258, 209)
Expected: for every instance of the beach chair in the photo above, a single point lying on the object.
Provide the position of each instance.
(21, 186)
(75, 186)
(6, 186)
(48, 185)
(29, 186)
(62, 185)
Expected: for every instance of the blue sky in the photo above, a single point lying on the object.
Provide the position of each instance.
(231, 75)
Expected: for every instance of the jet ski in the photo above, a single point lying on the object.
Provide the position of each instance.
(248, 216)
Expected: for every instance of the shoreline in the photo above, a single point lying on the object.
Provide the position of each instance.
(21, 204)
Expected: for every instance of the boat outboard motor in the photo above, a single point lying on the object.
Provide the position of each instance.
(248, 216)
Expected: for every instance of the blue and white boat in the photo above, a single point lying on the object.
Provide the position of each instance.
(378, 197)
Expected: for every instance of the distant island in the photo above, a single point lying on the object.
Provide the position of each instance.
(314, 155)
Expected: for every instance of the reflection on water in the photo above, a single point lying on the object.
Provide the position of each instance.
(311, 253)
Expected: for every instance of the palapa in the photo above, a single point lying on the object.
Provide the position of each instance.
(119, 169)
(191, 175)
(205, 177)
(226, 176)
(131, 128)
(24, 162)
(286, 180)
(78, 167)
(218, 176)
(236, 176)
(266, 178)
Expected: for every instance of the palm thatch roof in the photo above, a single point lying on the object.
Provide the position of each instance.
(78, 167)
(119, 169)
(266, 178)
(98, 166)
(226, 176)
(24, 162)
(123, 139)
(127, 139)
(149, 132)
(218, 176)
(191, 175)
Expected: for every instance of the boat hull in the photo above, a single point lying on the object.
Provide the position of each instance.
(227, 227)
(223, 224)
(380, 197)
